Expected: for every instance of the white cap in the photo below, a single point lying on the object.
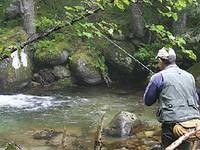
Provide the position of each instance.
(166, 53)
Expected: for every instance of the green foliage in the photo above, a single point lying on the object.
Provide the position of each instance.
(98, 56)
(3, 5)
(10, 38)
(11, 146)
(95, 28)
(90, 30)
(121, 3)
(45, 23)
(167, 39)
(51, 47)
(48, 48)
(147, 53)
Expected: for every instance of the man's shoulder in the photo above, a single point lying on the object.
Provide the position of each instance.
(157, 79)
(156, 76)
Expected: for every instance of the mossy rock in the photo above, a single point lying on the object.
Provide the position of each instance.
(82, 65)
(51, 54)
(11, 79)
(10, 37)
(122, 125)
(195, 70)
(62, 83)
(117, 58)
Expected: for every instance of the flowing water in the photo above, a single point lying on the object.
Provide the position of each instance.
(78, 110)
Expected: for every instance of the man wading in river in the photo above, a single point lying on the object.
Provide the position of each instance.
(176, 93)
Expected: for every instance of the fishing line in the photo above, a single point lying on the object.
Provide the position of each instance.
(131, 56)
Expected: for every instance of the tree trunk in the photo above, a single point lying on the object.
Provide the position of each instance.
(138, 21)
(179, 26)
(27, 9)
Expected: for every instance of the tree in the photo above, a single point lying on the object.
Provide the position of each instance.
(27, 9)
(138, 21)
(167, 8)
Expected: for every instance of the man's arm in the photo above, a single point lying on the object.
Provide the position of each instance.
(153, 89)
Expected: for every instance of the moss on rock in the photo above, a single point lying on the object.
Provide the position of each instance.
(10, 37)
(83, 66)
(83, 55)
(51, 53)
(13, 79)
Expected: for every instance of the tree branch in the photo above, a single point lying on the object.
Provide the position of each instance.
(37, 36)
(180, 140)
(98, 135)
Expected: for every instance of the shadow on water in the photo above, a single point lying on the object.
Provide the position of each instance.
(78, 110)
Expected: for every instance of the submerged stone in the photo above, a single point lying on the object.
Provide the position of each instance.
(45, 134)
(122, 125)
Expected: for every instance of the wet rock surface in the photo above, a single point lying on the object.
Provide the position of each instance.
(45, 134)
(122, 125)
(83, 68)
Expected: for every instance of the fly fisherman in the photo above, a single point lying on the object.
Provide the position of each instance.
(176, 93)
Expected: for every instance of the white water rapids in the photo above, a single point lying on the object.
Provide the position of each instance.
(27, 102)
(17, 62)
(34, 103)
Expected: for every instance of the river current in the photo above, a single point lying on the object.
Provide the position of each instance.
(77, 110)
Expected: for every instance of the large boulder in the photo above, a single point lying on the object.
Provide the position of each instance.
(119, 59)
(195, 70)
(122, 125)
(16, 71)
(83, 68)
(14, 76)
(46, 58)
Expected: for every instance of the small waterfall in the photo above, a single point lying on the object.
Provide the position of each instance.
(27, 102)
(15, 60)
(18, 61)
(24, 58)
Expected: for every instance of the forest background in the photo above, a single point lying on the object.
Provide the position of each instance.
(97, 32)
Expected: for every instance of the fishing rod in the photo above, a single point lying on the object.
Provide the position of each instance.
(131, 56)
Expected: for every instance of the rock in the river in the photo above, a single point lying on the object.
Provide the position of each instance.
(45, 134)
(122, 125)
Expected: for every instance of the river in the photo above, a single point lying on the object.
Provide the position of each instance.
(78, 110)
